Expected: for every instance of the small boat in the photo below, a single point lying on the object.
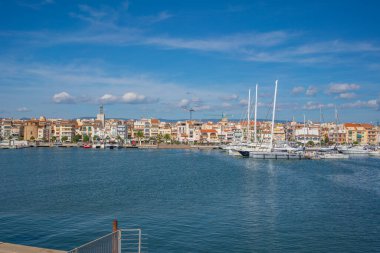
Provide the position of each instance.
(333, 156)
(374, 153)
(356, 150)
(87, 146)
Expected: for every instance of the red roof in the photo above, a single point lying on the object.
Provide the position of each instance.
(366, 126)
(208, 131)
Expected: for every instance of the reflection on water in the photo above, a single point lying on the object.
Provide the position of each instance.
(189, 200)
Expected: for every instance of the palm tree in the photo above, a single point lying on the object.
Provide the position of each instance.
(140, 135)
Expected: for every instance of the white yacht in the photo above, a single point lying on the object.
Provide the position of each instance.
(333, 155)
(374, 153)
(355, 150)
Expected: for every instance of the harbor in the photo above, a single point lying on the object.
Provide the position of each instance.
(66, 197)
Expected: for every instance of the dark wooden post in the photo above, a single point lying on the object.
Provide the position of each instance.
(114, 227)
(115, 237)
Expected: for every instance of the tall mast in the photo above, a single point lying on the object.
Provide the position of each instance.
(336, 126)
(248, 116)
(255, 128)
(273, 114)
(304, 130)
(320, 125)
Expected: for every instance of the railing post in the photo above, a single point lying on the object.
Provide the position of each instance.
(115, 237)
(114, 227)
(139, 241)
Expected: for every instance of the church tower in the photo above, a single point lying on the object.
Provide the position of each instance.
(101, 116)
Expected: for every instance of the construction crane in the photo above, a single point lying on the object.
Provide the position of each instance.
(191, 110)
(223, 116)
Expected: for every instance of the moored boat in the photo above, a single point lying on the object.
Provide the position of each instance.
(356, 150)
(374, 153)
(333, 156)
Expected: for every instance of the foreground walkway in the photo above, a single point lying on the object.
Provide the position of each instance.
(16, 248)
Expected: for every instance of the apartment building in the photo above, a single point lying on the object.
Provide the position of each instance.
(64, 129)
(360, 133)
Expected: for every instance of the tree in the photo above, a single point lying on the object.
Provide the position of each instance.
(310, 144)
(167, 137)
(77, 138)
(53, 138)
(356, 143)
(159, 138)
(86, 138)
(32, 138)
(140, 135)
(96, 138)
(64, 138)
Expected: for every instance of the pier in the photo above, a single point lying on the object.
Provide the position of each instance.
(16, 248)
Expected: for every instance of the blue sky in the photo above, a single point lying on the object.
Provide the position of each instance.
(159, 58)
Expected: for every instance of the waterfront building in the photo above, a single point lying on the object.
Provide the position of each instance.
(122, 131)
(44, 129)
(337, 134)
(142, 125)
(17, 130)
(279, 133)
(209, 136)
(6, 129)
(188, 131)
(64, 130)
(154, 127)
(307, 133)
(360, 133)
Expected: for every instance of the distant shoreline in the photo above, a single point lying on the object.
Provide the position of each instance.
(146, 146)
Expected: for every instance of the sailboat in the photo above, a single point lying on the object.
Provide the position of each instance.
(260, 151)
(235, 148)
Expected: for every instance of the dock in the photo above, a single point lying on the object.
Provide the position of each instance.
(16, 248)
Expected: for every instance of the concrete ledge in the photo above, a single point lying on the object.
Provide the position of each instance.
(16, 248)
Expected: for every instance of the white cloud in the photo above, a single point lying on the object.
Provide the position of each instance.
(184, 103)
(298, 90)
(311, 91)
(108, 99)
(232, 97)
(134, 98)
(347, 95)
(314, 106)
(63, 98)
(226, 105)
(338, 88)
(222, 44)
(373, 103)
(243, 102)
(202, 107)
(23, 109)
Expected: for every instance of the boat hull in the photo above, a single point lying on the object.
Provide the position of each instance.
(272, 155)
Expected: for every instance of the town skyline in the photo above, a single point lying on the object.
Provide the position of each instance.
(144, 59)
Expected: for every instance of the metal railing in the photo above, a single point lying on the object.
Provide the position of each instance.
(132, 241)
(120, 241)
